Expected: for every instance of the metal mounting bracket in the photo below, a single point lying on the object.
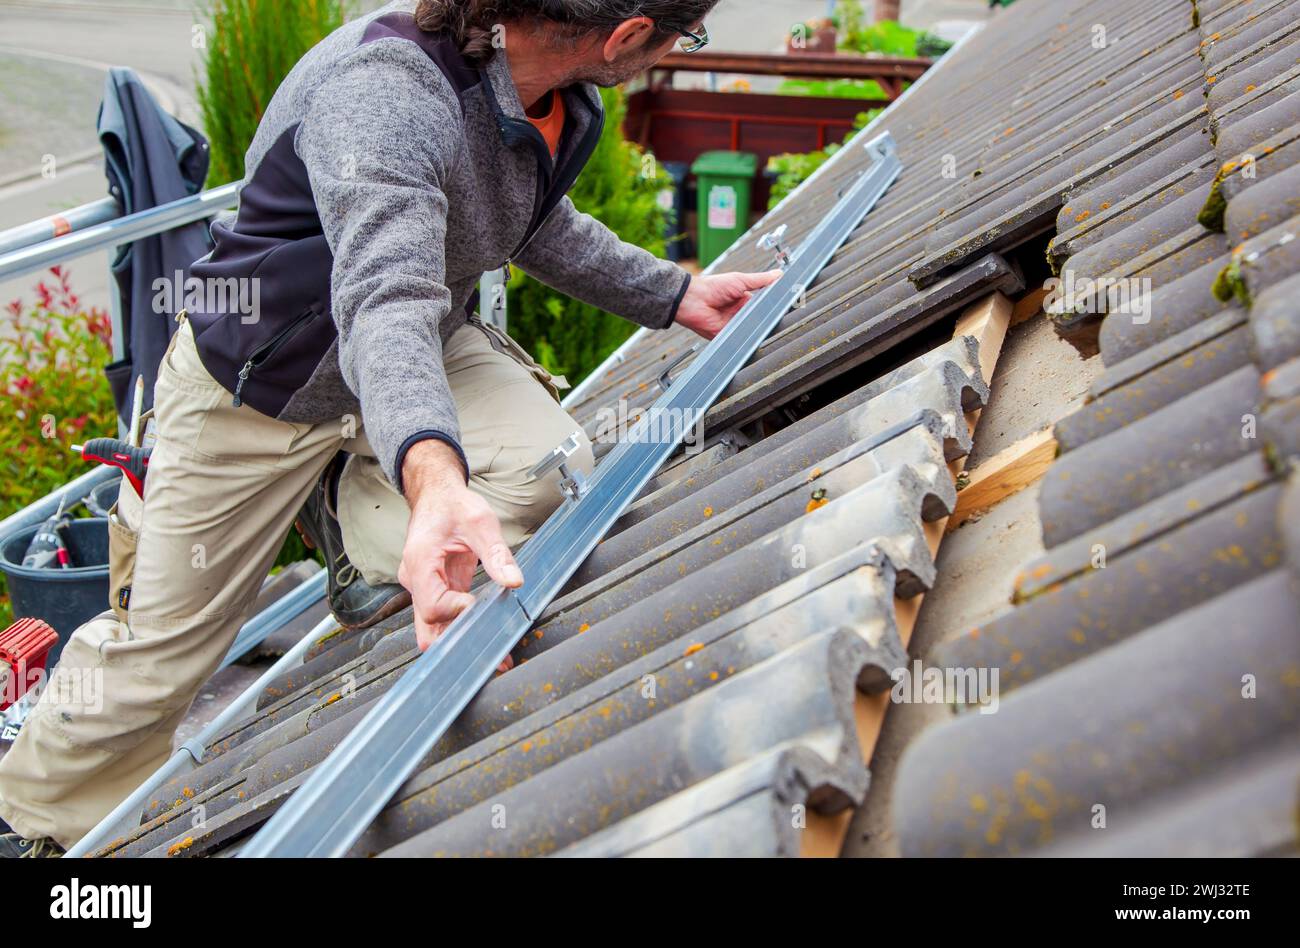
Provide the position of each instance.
(772, 241)
(572, 483)
(665, 379)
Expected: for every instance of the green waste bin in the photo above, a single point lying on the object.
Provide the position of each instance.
(724, 182)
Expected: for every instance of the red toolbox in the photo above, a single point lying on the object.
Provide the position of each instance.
(23, 648)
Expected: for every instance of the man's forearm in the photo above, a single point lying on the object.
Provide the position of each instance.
(430, 470)
(581, 257)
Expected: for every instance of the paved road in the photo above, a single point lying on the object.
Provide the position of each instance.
(56, 41)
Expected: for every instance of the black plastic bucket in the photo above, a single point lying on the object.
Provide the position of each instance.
(65, 598)
(100, 500)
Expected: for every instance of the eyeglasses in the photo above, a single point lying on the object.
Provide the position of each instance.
(694, 42)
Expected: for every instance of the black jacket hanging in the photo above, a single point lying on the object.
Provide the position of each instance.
(150, 159)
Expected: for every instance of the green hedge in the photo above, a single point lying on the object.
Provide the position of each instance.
(885, 37)
(52, 355)
(251, 46)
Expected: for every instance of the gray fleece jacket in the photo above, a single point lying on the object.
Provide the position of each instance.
(386, 176)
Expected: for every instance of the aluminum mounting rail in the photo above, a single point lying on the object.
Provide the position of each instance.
(348, 789)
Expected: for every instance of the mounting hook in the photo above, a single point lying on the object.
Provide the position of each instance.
(665, 378)
(772, 241)
(572, 484)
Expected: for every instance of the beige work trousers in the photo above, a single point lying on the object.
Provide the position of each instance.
(225, 485)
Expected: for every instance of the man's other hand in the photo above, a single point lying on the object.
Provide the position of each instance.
(452, 529)
(711, 301)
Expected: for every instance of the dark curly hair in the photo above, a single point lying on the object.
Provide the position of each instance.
(472, 22)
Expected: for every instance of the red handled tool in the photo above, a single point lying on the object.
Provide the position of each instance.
(133, 462)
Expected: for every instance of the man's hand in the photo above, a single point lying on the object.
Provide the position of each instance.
(711, 301)
(451, 530)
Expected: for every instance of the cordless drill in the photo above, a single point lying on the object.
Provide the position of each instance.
(47, 549)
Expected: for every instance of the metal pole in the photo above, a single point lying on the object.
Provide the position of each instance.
(866, 133)
(111, 233)
(275, 616)
(58, 225)
(74, 491)
(125, 817)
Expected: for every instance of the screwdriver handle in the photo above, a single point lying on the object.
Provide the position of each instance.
(133, 461)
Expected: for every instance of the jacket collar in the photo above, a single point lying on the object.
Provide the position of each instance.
(505, 97)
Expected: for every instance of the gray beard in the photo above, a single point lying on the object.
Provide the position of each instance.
(613, 74)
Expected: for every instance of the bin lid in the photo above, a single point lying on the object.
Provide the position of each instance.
(739, 164)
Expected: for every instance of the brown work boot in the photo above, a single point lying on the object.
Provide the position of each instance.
(355, 603)
(14, 845)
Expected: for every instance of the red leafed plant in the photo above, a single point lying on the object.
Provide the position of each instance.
(52, 355)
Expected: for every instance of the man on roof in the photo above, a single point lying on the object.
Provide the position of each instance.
(404, 156)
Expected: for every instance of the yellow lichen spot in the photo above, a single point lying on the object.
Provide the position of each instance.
(1211, 79)
(548, 688)
(979, 803)
(1017, 657)
(713, 676)
(538, 634)
(526, 746)
(332, 698)
(180, 847)
(708, 511)
(1251, 87)
(693, 648)
(1083, 217)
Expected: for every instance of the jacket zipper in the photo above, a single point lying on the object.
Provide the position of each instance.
(548, 186)
(265, 351)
